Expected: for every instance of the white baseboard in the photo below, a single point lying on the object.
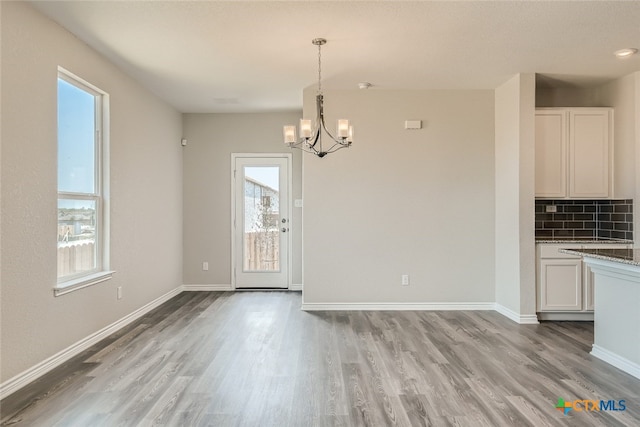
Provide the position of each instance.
(399, 306)
(295, 287)
(16, 383)
(523, 319)
(566, 315)
(210, 287)
(619, 362)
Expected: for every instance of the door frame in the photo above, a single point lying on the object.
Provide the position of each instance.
(289, 212)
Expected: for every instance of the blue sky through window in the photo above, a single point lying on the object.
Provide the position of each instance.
(76, 139)
(269, 175)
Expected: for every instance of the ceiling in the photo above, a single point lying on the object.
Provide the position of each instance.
(241, 56)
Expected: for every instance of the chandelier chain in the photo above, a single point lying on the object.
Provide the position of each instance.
(319, 68)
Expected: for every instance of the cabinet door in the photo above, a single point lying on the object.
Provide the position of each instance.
(560, 285)
(589, 153)
(551, 154)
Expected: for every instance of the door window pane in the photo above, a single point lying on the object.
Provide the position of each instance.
(261, 218)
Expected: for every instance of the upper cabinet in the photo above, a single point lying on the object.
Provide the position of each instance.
(574, 153)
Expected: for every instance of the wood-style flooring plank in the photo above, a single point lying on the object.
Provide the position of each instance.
(256, 359)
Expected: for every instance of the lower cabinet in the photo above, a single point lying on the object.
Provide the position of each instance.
(565, 283)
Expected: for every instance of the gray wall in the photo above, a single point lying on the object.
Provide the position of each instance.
(620, 95)
(207, 188)
(514, 189)
(146, 193)
(417, 202)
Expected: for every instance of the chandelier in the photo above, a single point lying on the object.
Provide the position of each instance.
(311, 134)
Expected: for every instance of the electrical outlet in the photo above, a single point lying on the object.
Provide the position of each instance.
(205, 266)
(551, 208)
(405, 280)
(119, 292)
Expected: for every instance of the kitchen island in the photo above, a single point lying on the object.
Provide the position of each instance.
(616, 305)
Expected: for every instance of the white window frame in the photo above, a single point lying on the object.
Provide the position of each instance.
(101, 272)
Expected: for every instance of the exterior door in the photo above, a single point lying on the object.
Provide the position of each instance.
(261, 215)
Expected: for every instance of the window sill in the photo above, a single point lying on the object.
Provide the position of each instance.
(82, 282)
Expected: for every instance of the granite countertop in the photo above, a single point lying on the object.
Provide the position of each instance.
(625, 256)
(583, 240)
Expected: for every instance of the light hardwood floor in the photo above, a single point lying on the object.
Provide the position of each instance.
(256, 359)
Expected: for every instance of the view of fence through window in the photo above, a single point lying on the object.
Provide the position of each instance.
(261, 216)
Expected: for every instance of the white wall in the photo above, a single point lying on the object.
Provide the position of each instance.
(417, 202)
(514, 189)
(146, 193)
(207, 187)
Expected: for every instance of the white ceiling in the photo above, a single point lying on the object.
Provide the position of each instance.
(240, 56)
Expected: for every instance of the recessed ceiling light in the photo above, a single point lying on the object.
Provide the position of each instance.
(625, 53)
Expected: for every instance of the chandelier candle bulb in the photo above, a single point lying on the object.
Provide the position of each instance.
(343, 128)
(289, 134)
(305, 128)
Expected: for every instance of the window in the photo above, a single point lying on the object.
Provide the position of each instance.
(82, 220)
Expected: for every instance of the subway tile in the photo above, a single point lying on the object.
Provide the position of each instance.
(619, 217)
(621, 208)
(590, 225)
(562, 217)
(552, 224)
(544, 233)
(618, 235)
(590, 208)
(584, 233)
(583, 217)
(575, 208)
(604, 209)
(606, 225)
(544, 217)
(604, 217)
(562, 233)
(621, 226)
(604, 233)
(574, 225)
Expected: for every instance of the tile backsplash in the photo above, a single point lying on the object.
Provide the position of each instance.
(585, 218)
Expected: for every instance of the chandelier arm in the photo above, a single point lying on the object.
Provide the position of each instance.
(317, 137)
(339, 146)
(320, 108)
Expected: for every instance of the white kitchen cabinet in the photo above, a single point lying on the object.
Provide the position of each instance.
(574, 153)
(565, 285)
(551, 153)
